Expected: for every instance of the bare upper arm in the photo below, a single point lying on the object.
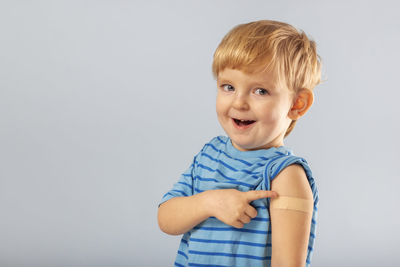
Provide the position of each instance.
(290, 228)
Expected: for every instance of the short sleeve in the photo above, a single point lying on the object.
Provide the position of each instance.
(277, 165)
(184, 186)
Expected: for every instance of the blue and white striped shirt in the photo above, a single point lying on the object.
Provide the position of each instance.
(219, 165)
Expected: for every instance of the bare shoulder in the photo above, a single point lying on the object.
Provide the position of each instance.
(292, 181)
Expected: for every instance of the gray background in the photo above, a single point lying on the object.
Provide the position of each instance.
(104, 103)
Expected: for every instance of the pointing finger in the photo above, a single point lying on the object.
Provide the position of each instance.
(258, 194)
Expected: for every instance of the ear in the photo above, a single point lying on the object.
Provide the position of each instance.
(302, 101)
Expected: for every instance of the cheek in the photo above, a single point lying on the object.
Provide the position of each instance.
(220, 106)
(268, 114)
(270, 119)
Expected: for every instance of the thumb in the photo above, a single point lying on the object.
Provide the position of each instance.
(258, 194)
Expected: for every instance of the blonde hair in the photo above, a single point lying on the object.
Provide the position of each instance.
(268, 45)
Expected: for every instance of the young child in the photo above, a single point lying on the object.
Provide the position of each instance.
(247, 200)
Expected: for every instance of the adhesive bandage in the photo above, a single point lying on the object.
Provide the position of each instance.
(292, 203)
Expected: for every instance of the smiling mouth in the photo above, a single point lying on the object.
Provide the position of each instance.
(243, 122)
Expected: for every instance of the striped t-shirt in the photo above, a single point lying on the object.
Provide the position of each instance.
(219, 165)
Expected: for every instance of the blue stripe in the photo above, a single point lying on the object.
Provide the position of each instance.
(184, 241)
(232, 229)
(169, 194)
(228, 166)
(188, 185)
(207, 265)
(206, 179)
(228, 255)
(255, 219)
(179, 265)
(260, 207)
(187, 175)
(208, 156)
(228, 242)
(222, 141)
(222, 162)
(196, 190)
(204, 167)
(229, 178)
(250, 172)
(278, 152)
(312, 235)
(183, 254)
(310, 248)
(260, 219)
(261, 164)
(230, 181)
(223, 152)
(221, 173)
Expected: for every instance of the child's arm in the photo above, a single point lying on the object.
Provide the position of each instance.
(291, 228)
(180, 214)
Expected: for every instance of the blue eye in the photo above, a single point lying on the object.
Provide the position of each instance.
(227, 87)
(261, 91)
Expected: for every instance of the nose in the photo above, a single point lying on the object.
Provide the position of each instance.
(240, 102)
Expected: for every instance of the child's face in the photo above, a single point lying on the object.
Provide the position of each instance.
(255, 97)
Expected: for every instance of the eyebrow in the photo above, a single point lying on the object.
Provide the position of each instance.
(224, 81)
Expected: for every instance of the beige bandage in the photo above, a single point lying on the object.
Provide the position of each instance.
(292, 203)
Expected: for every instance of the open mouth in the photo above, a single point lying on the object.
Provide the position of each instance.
(243, 122)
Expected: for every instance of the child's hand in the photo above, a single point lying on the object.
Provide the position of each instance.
(233, 207)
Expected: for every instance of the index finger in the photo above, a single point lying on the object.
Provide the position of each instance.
(258, 194)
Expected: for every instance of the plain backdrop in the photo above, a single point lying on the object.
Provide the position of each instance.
(103, 104)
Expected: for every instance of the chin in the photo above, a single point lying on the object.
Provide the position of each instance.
(244, 146)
